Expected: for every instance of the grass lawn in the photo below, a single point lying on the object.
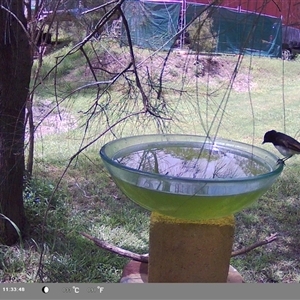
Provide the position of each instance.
(200, 96)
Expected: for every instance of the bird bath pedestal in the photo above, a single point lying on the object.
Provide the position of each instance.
(189, 251)
(193, 185)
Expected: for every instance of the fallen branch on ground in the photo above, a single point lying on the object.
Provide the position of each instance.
(244, 250)
(144, 257)
(115, 249)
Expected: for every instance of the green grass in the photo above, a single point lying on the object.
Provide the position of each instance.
(277, 211)
(88, 201)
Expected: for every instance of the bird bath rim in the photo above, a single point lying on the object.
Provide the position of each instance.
(277, 169)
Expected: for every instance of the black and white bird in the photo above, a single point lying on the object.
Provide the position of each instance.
(284, 143)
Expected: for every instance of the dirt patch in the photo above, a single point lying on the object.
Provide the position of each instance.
(180, 66)
(215, 70)
(49, 121)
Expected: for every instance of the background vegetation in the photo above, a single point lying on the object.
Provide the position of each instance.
(233, 97)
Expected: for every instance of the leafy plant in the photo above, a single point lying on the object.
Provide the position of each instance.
(201, 34)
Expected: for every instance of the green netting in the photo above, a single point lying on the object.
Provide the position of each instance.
(154, 25)
(247, 33)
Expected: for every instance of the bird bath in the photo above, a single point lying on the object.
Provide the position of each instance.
(193, 185)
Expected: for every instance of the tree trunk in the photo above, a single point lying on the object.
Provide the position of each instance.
(15, 69)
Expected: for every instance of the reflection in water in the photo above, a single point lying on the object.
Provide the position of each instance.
(192, 162)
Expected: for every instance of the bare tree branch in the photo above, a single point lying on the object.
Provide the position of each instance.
(98, 7)
(79, 46)
(17, 19)
(66, 169)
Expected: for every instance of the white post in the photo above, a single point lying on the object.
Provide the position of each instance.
(182, 23)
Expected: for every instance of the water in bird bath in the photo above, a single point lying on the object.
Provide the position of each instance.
(191, 162)
(194, 182)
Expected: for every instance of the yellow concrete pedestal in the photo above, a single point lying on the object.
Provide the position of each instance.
(189, 251)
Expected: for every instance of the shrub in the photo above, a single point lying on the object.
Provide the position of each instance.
(201, 34)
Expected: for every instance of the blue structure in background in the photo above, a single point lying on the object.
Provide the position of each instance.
(152, 25)
(155, 25)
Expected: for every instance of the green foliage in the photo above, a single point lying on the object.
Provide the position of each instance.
(202, 36)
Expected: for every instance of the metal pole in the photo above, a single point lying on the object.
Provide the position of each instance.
(182, 23)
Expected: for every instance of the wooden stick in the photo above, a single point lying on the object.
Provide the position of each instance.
(145, 258)
(244, 250)
(115, 249)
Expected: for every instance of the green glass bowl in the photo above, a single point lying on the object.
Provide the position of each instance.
(190, 177)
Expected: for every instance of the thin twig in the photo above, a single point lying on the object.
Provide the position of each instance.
(79, 45)
(65, 171)
(17, 19)
(98, 7)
